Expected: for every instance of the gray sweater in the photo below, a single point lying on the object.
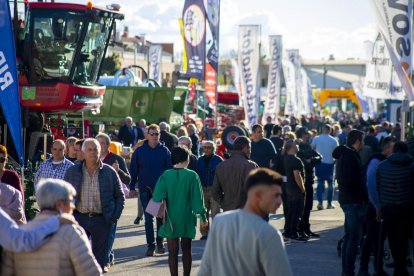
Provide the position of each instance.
(250, 247)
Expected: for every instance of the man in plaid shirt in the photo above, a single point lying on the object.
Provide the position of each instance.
(206, 169)
(56, 166)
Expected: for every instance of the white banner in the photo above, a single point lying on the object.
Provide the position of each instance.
(295, 59)
(394, 21)
(363, 103)
(290, 80)
(236, 79)
(249, 71)
(304, 104)
(272, 103)
(155, 54)
(378, 82)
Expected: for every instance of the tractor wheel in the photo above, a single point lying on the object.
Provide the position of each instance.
(230, 134)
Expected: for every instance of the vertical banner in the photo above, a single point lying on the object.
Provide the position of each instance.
(304, 106)
(363, 103)
(249, 68)
(310, 97)
(295, 59)
(381, 81)
(213, 16)
(395, 23)
(290, 80)
(272, 103)
(9, 86)
(184, 66)
(236, 78)
(195, 35)
(155, 72)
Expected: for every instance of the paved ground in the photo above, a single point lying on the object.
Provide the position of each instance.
(317, 257)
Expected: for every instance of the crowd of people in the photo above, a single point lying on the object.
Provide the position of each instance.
(81, 192)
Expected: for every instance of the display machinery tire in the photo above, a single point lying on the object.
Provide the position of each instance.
(230, 134)
(246, 131)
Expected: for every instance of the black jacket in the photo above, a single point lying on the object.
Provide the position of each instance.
(350, 175)
(167, 139)
(139, 134)
(193, 163)
(126, 136)
(278, 143)
(123, 172)
(395, 180)
(307, 152)
(195, 141)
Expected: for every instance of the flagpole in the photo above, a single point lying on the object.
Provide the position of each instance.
(218, 47)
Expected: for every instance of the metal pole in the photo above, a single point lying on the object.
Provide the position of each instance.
(83, 125)
(135, 58)
(216, 118)
(44, 146)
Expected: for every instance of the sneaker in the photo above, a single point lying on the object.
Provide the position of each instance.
(105, 269)
(285, 239)
(138, 220)
(320, 207)
(330, 206)
(160, 248)
(296, 238)
(203, 238)
(112, 263)
(151, 250)
(312, 234)
(303, 235)
(363, 273)
(408, 262)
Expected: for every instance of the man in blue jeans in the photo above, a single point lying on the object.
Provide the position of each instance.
(352, 195)
(325, 145)
(148, 163)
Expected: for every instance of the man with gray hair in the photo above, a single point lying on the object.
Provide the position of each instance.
(126, 133)
(99, 199)
(206, 169)
(185, 141)
(56, 166)
(166, 137)
(192, 133)
(118, 163)
(173, 135)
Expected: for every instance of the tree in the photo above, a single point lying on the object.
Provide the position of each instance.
(111, 64)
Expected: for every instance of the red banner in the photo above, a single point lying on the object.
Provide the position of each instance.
(211, 84)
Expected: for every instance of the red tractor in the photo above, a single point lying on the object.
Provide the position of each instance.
(60, 50)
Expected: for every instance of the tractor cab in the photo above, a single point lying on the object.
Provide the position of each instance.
(60, 50)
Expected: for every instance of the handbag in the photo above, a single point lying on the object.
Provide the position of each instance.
(159, 210)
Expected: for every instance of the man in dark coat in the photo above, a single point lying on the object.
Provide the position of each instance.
(126, 133)
(192, 133)
(310, 158)
(395, 187)
(166, 137)
(353, 194)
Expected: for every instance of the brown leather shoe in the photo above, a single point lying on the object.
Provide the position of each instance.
(160, 247)
(151, 250)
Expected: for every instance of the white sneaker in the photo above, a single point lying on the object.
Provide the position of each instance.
(330, 206)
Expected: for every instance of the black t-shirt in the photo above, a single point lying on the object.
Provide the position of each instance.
(292, 163)
(268, 129)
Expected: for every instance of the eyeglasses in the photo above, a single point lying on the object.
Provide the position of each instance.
(154, 134)
(208, 148)
(2, 160)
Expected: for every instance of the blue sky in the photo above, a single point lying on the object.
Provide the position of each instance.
(317, 28)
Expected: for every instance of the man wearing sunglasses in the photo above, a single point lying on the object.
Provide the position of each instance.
(148, 163)
(206, 169)
(56, 166)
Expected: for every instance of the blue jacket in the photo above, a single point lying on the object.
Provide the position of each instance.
(110, 188)
(206, 172)
(148, 164)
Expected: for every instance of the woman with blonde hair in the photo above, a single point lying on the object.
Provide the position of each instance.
(70, 149)
(182, 131)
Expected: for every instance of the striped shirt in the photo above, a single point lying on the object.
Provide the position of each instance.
(90, 198)
(46, 170)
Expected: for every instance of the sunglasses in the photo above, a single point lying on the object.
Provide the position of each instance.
(2, 159)
(208, 148)
(154, 134)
